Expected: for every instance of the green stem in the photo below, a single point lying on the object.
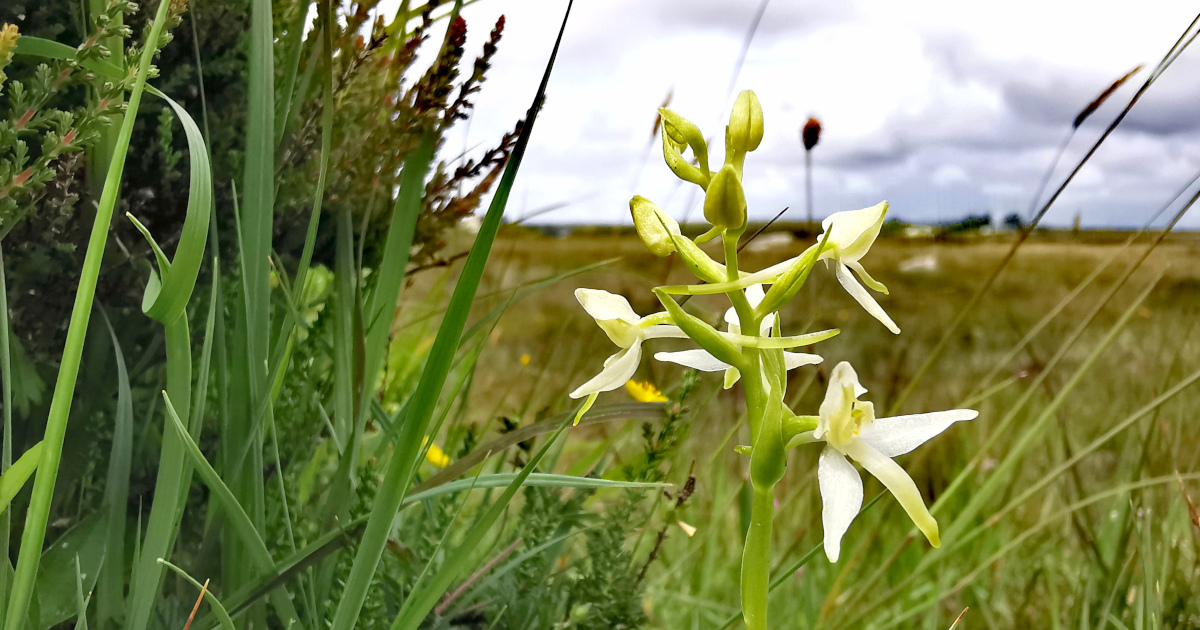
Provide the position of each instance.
(745, 312)
(38, 515)
(756, 559)
(170, 486)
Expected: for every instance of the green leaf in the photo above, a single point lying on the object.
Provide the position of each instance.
(55, 597)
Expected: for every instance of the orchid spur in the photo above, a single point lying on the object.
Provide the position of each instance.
(849, 428)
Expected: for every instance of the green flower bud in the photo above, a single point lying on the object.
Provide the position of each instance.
(678, 132)
(725, 202)
(653, 226)
(745, 123)
(684, 133)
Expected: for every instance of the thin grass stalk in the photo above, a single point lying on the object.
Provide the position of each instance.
(1006, 468)
(1151, 407)
(218, 610)
(961, 316)
(38, 515)
(1025, 535)
(258, 555)
(425, 594)
(1070, 297)
(976, 501)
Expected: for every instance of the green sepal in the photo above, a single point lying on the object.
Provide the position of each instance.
(700, 332)
(696, 260)
(796, 426)
(789, 284)
(767, 343)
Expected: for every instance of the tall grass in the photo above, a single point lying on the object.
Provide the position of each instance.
(246, 354)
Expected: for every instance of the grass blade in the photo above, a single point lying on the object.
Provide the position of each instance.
(425, 595)
(218, 610)
(239, 521)
(422, 404)
(15, 477)
(111, 594)
(64, 389)
(6, 450)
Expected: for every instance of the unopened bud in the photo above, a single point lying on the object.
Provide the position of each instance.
(679, 132)
(745, 123)
(725, 201)
(653, 226)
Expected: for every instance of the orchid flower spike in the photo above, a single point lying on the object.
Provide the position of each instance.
(705, 362)
(851, 234)
(849, 427)
(626, 329)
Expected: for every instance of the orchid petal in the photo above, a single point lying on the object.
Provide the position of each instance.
(731, 376)
(860, 295)
(866, 278)
(841, 498)
(793, 360)
(852, 232)
(754, 295)
(900, 434)
(696, 359)
(602, 305)
(617, 369)
(731, 317)
(899, 483)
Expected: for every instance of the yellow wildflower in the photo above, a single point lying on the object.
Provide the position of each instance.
(644, 391)
(435, 455)
(525, 359)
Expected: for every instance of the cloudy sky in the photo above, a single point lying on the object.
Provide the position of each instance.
(942, 107)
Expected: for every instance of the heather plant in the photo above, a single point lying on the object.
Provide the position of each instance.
(320, 506)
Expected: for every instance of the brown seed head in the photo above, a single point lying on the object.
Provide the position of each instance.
(1099, 100)
(811, 133)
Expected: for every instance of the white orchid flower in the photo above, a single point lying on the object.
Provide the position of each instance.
(626, 329)
(705, 362)
(849, 428)
(851, 234)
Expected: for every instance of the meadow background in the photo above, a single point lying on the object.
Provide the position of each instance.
(302, 403)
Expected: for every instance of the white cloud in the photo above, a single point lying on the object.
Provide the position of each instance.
(941, 106)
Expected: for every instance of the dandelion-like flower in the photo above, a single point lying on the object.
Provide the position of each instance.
(644, 391)
(849, 428)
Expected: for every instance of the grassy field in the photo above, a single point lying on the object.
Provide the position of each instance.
(1092, 563)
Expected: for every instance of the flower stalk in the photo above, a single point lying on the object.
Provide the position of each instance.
(755, 351)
